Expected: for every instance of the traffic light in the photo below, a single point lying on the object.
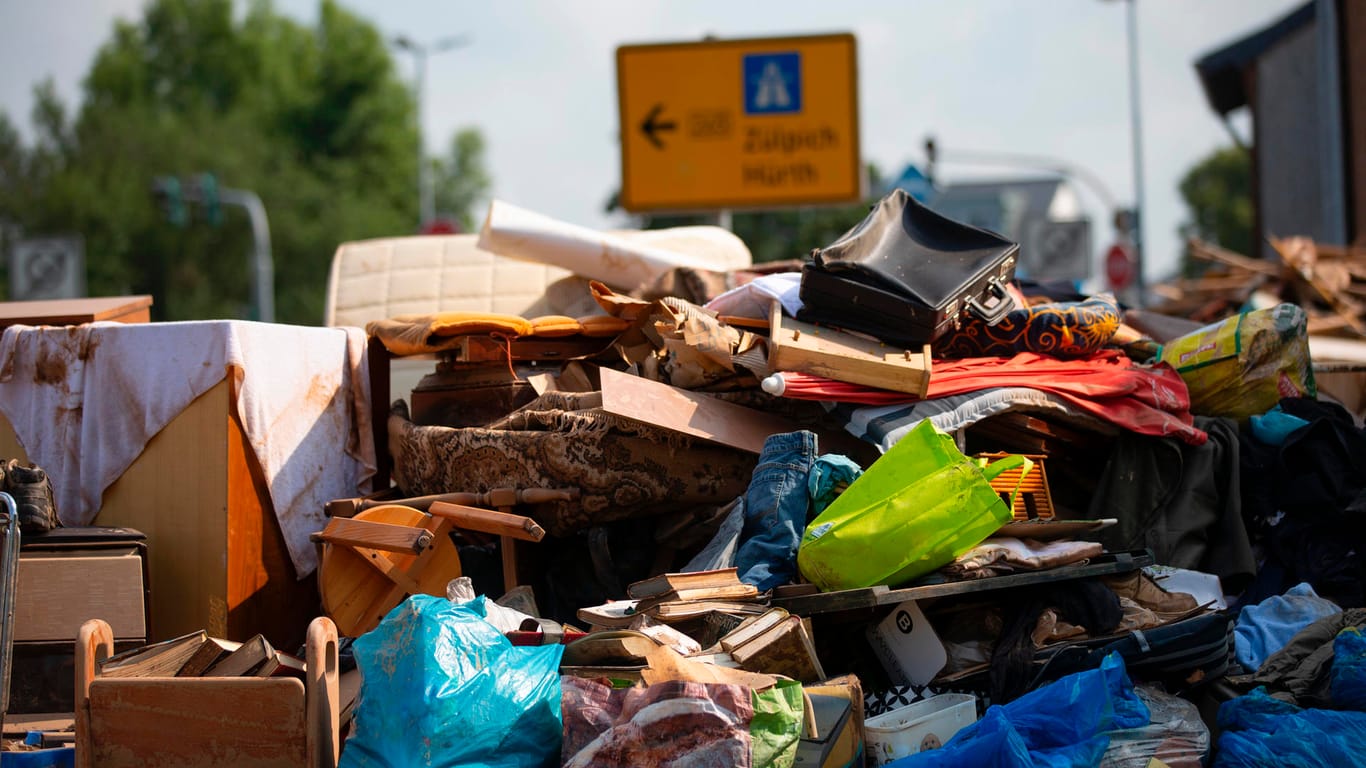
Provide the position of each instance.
(207, 186)
(171, 199)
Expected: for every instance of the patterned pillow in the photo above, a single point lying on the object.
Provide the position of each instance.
(1067, 329)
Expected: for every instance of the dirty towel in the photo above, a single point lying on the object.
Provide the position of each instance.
(85, 400)
(1003, 554)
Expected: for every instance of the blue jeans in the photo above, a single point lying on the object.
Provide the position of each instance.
(776, 507)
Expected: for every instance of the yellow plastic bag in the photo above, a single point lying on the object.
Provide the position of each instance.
(919, 506)
(1244, 365)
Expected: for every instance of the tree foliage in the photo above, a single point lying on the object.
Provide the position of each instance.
(1218, 196)
(315, 120)
(461, 179)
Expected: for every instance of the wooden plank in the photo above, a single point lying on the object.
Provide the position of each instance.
(264, 594)
(489, 521)
(690, 413)
(243, 722)
(17, 725)
(871, 597)
(381, 536)
(834, 354)
(58, 593)
(176, 493)
(122, 309)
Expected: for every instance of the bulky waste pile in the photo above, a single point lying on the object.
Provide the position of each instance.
(888, 504)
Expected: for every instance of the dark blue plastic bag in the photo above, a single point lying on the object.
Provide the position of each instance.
(1061, 725)
(1262, 732)
(442, 686)
(1348, 683)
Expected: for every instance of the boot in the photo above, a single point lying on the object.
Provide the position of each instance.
(1140, 588)
(32, 492)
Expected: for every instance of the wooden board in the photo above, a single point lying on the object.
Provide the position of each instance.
(871, 597)
(243, 722)
(57, 593)
(691, 413)
(123, 309)
(834, 354)
(356, 592)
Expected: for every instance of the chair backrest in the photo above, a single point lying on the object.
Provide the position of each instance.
(377, 279)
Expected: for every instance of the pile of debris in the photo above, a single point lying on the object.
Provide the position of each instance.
(1328, 281)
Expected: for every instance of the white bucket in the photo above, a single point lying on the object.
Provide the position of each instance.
(914, 728)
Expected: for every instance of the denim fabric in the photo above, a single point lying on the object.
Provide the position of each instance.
(776, 506)
(720, 551)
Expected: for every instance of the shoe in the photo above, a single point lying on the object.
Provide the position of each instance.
(32, 493)
(1139, 587)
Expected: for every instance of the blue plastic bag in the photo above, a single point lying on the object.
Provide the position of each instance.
(1262, 732)
(442, 686)
(1348, 681)
(1061, 725)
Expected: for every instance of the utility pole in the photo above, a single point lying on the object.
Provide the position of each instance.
(420, 52)
(1135, 114)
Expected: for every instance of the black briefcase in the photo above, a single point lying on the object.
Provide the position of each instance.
(908, 275)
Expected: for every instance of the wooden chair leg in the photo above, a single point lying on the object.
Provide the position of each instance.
(321, 697)
(94, 642)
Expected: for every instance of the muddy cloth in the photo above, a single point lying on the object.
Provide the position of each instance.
(565, 440)
(1305, 502)
(1180, 500)
(1000, 555)
(1301, 672)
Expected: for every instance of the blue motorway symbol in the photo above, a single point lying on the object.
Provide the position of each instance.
(773, 83)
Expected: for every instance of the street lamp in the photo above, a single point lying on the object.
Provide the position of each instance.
(420, 53)
(1140, 283)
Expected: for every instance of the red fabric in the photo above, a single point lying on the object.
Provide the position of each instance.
(1149, 400)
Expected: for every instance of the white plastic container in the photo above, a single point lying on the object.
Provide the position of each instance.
(914, 728)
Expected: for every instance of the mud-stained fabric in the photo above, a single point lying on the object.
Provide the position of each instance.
(564, 440)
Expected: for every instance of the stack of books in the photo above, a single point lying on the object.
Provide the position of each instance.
(198, 655)
(677, 597)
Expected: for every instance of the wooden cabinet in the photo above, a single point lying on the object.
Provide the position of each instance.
(216, 558)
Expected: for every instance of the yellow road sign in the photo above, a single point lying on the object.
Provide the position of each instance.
(739, 123)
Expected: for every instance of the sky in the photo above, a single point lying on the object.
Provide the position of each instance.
(1046, 78)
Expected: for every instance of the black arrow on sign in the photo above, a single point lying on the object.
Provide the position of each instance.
(651, 126)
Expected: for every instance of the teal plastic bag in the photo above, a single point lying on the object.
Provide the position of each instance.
(919, 506)
(442, 686)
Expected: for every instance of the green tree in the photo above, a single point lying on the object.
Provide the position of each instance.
(1218, 196)
(313, 119)
(460, 179)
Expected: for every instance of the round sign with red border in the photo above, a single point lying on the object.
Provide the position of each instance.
(1119, 266)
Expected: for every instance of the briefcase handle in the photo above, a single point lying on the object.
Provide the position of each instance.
(993, 313)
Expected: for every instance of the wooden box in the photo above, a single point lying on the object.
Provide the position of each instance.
(242, 722)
